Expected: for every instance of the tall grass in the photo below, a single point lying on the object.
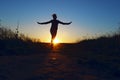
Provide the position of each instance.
(12, 45)
(105, 44)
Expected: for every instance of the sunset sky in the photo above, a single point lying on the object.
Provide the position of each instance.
(89, 17)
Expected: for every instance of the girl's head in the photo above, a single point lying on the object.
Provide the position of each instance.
(54, 16)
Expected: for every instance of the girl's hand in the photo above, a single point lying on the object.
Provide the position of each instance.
(38, 22)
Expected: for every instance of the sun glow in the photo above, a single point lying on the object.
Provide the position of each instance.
(56, 41)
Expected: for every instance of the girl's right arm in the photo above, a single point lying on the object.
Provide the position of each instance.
(44, 22)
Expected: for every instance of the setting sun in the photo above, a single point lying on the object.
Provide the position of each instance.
(56, 41)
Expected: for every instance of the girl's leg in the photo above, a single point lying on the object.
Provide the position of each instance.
(53, 35)
(52, 38)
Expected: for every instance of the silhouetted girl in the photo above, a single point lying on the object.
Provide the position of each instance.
(54, 26)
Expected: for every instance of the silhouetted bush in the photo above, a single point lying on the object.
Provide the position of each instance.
(106, 45)
(6, 33)
(21, 45)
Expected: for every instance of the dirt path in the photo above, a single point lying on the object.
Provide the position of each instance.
(51, 66)
(57, 66)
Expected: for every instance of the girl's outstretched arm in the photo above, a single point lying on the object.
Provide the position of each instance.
(64, 23)
(44, 22)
